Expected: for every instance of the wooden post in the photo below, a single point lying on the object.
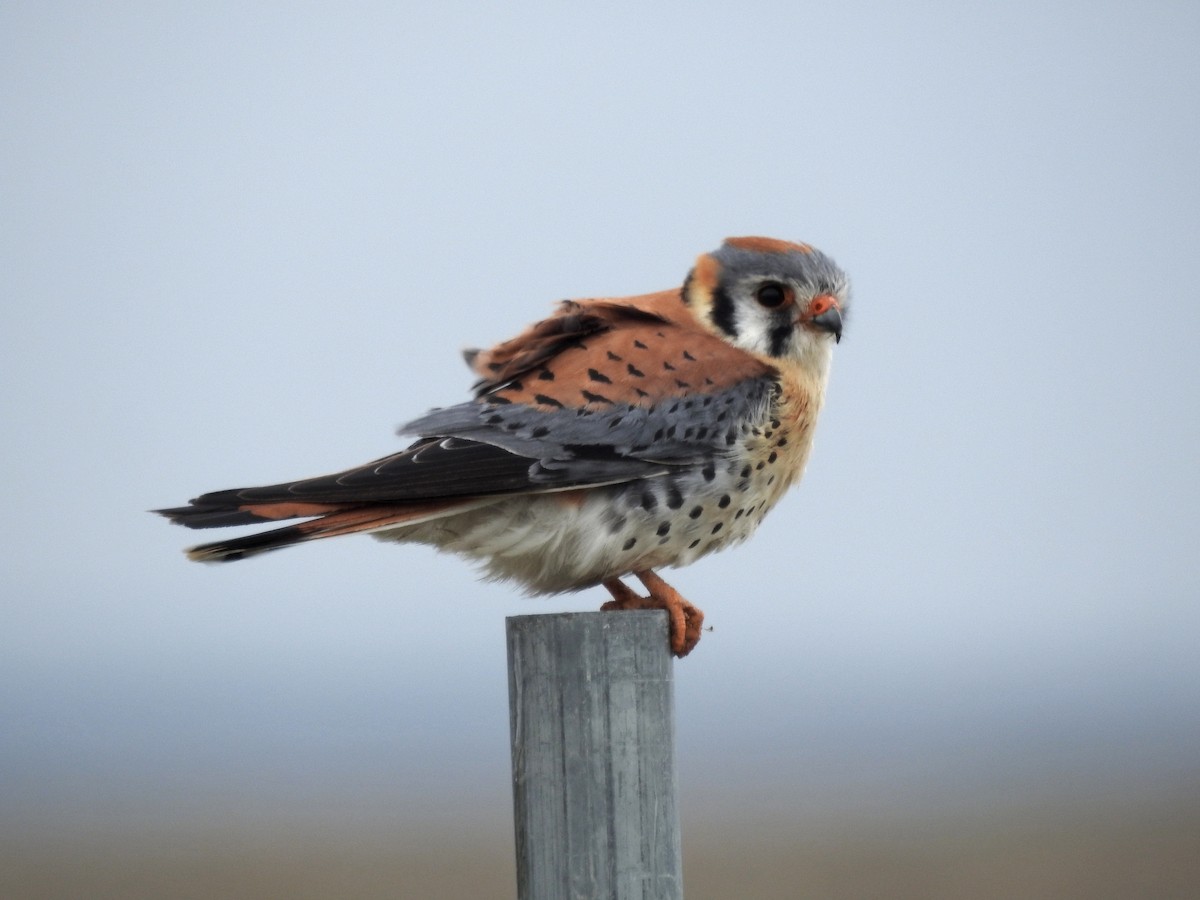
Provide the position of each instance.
(591, 705)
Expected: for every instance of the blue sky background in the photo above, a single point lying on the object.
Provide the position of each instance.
(242, 244)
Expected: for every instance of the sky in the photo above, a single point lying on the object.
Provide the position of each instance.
(242, 244)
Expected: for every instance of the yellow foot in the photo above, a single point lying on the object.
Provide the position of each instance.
(686, 620)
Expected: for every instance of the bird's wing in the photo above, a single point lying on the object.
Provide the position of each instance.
(609, 395)
(622, 388)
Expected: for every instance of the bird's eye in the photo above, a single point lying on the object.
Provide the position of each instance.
(772, 295)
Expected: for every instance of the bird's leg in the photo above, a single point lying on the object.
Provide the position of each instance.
(686, 620)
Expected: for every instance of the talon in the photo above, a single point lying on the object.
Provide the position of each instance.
(686, 621)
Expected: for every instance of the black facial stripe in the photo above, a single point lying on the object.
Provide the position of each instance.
(722, 312)
(779, 337)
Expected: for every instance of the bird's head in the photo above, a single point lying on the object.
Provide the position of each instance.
(773, 298)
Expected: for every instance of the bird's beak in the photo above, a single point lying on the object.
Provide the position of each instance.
(825, 313)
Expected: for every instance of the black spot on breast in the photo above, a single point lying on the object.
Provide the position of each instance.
(616, 524)
(628, 545)
(718, 527)
(696, 512)
(635, 371)
(724, 501)
(613, 356)
(687, 355)
(546, 401)
(599, 376)
(745, 473)
(640, 392)
(663, 529)
(649, 501)
(545, 375)
(772, 457)
(494, 419)
(671, 432)
(782, 442)
(640, 345)
(740, 513)
(674, 498)
(497, 399)
(594, 398)
(709, 471)
(539, 432)
(759, 466)
(694, 544)
(668, 366)
(680, 383)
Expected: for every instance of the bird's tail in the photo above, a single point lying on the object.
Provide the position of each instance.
(224, 508)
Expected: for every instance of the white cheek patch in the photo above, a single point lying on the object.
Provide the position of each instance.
(753, 327)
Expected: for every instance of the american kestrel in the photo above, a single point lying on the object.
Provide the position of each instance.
(615, 437)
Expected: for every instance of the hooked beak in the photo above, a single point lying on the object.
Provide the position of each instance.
(824, 313)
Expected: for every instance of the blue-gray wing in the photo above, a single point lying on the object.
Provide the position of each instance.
(488, 447)
(604, 443)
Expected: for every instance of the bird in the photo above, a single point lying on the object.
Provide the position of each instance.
(613, 438)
